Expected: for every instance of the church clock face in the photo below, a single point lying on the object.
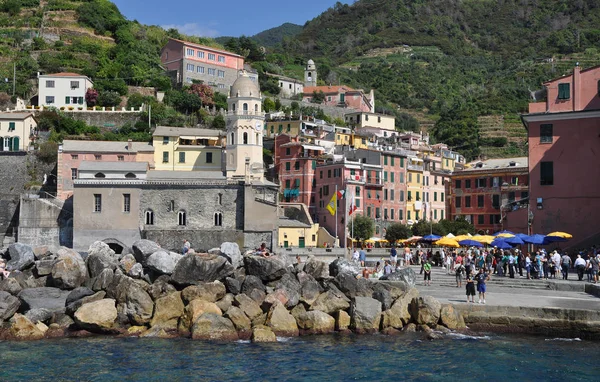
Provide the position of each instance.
(259, 126)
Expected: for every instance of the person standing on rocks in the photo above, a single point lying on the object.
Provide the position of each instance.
(186, 247)
(482, 278)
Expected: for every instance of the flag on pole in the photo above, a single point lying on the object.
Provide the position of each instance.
(332, 205)
(352, 206)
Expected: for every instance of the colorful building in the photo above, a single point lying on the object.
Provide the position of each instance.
(283, 126)
(483, 189)
(63, 90)
(296, 227)
(342, 96)
(367, 119)
(16, 131)
(187, 149)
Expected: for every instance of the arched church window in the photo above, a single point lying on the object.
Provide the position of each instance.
(245, 138)
(245, 106)
(149, 217)
(231, 143)
(218, 219)
(181, 218)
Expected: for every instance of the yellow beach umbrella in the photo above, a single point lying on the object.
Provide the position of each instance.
(447, 242)
(484, 239)
(564, 235)
(506, 235)
(462, 237)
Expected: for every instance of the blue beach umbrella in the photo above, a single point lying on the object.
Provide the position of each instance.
(536, 239)
(500, 243)
(515, 240)
(470, 243)
(431, 238)
(556, 239)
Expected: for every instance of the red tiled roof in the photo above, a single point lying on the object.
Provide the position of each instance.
(328, 89)
(65, 74)
(193, 44)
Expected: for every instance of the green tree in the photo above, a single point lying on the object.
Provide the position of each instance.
(277, 104)
(458, 128)
(363, 227)
(424, 228)
(218, 122)
(318, 97)
(459, 226)
(268, 105)
(109, 98)
(397, 231)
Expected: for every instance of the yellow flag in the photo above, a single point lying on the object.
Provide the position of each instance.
(332, 205)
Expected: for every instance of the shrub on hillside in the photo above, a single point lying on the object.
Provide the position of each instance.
(47, 152)
(109, 98)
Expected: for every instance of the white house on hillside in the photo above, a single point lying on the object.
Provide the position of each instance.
(63, 89)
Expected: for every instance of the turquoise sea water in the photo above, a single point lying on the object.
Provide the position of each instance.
(319, 358)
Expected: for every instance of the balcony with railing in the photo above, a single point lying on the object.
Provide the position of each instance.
(415, 167)
(355, 179)
(514, 187)
(374, 181)
(249, 114)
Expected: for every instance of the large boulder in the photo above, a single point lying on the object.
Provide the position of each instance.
(142, 249)
(44, 267)
(97, 315)
(21, 257)
(194, 268)
(266, 268)
(451, 318)
(75, 305)
(160, 288)
(9, 305)
(248, 306)
(315, 322)
(309, 290)
(53, 299)
(11, 285)
(70, 271)
(103, 280)
(78, 294)
(385, 297)
(316, 268)
(167, 308)
(399, 315)
(342, 320)
(241, 322)
(341, 265)
(263, 333)
(100, 257)
(406, 275)
(162, 261)
(252, 282)
(213, 327)
(425, 310)
(133, 301)
(23, 329)
(331, 301)
(193, 311)
(365, 315)
(233, 285)
(127, 262)
(231, 251)
(289, 283)
(211, 292)
(281, 321)
(39, 315)
(352, 286)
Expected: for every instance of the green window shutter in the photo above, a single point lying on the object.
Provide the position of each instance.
(15, 143)
(287, 184)
(81, 100)
(401, 162)
(442, 197)
(11, 126)
(314, 164)
(67, 100)
(287, 166)
(564, 91)
(392, 174)
(435, 196)
(385, 176)
(297, 183)
(385, 160)
(392, 161)
(165, 156)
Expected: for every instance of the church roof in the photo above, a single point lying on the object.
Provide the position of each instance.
(168, 131)
(244, 87)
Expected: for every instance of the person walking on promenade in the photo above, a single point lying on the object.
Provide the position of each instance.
(470, 284)
(566, 264)
(448, 264)
(407, 256)
(489, 261)
(580, 267)
(511, 265)
(528, 266)
(594, 264)
(482, 278)
(556, 261)
(538, 265)
(459, 270)
(520, 261)
(393, 257)
(427, 270)
(356, 255)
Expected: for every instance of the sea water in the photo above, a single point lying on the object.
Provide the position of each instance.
(483, 357)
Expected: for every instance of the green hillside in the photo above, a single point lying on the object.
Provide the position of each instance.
(271, 37)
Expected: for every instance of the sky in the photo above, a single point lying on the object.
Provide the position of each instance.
(226, 18)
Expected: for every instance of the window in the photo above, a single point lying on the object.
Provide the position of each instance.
(130, 175)
(98, 157)
(165, 140)
(190, 67)
(496, 201)
(418, 178)
(212, 71)
(220, 199)
(297, 183)
(481, 182)
(222, 59)
(181, 218)
(480, 219)
(73, 173)
(221, 74)
(385, 176)
(408, 217)
(49, 83)
(209, 157)
(127, 203)
(320, 174)
(400, 214)
(392, 214)
(369, 211)
(435, 214)
(401, 195)
(49, 100)
(409, 177)
(181, 157)
(418, 196)
(480, 201)
(442, 197)
(392, 176)
(149, 217)
(391, 194)
(564, 91)
(416, 215)
(97, 203)
(74, 84)
(189, 52)
(74, 156)
(200, 69)
(357, 203)
(328, 173)
(99, 175)
(165, 157)
(409, 196)
(385, 213)
(546, 133)
(287, 183)
(514, 180)
(467, 201)
(288, 166)
(392, 161)
(385, 160)
(401, 177)
(547, 173)
(402, 162)
(468, 183)
(385, 194)
(120, 158)
(297, 165)
(511, 196)
(218, 219)
(171, 206)
(200, 54)
(357, 191)
(245, 138)
(458, 203)
(211, 56)
(326, 190)
(524, 194)
(458, 184)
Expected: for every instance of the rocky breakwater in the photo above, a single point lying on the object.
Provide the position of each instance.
(222, 295)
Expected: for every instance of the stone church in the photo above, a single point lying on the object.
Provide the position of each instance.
(171, 200)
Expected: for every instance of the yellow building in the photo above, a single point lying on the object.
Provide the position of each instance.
(343, 136)
(414, 189)
(291, 128)
(16, 130)
(360, 142)
(294, 233)
(363, 119)
(187, 149)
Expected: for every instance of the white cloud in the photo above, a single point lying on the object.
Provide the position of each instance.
(194, 29)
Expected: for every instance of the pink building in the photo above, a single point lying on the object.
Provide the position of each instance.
(295, 164)
(342, 96)
(71, 153)
(563, 146)
(187, 61)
